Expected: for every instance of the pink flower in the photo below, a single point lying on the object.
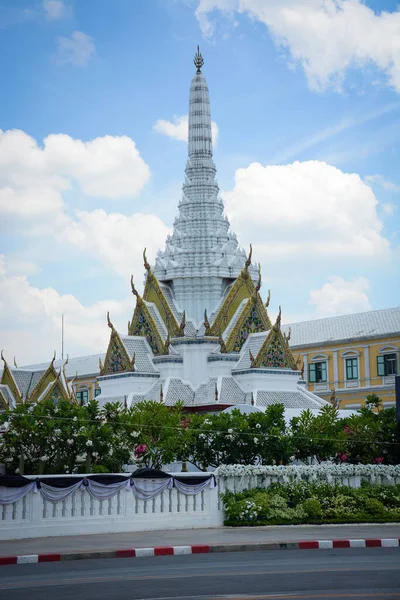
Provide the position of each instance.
(139, 450)
(379, 460)
(347, 429)
(184, 423)
(342, 457)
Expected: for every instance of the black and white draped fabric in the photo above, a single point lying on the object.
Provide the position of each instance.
(190, 486)
(60, 490)
(14, 488)
(105, 491)
(146, 484)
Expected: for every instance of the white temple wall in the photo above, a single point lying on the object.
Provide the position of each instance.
(195, 365)
(124, 384)
(252, 379)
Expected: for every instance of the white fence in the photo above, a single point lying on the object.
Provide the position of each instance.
(80, 513)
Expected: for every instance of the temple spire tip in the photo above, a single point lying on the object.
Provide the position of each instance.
(198, 60)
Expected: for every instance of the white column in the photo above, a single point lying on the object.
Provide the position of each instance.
(335, 369)
(305, 362)
(367, 367)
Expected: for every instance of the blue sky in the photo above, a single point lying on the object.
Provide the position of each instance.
(306, 99)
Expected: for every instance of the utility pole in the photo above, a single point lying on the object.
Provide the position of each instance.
(62, 337)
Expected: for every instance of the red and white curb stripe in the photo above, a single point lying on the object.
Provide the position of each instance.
(199, 549)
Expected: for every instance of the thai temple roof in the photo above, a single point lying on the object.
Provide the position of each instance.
(200, 333)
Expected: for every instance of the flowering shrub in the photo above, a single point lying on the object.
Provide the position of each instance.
(312, 503)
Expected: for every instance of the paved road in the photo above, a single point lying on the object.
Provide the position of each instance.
(351, 574)
(188, 537)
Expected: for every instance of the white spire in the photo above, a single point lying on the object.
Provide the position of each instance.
(202, 254)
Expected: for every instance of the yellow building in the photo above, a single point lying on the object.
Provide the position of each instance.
(355, 355)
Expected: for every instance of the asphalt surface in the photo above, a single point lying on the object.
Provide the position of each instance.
(348, 574)
(188, 537)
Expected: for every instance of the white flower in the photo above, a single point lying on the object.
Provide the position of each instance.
(202, 436)
(44, 458)
(229, 437)
(111, 452)
(255, 440)
(230, 430)
(70, 442)
(207, 422)
(258, 425)
(57, 431)
(95, 454)
(89, 443)
(75, 419)
(134, 434)
(17, 471)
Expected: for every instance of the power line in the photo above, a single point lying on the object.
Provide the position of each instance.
(253, 434)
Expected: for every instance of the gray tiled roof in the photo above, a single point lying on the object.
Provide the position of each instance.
(231, 393)
(205, 393)
(162, 330)
(27, 380)
(373, 323)
(177, 391)
(289, 399)
(85, 365)
(253, 343)
(138, 346)
(5, 390)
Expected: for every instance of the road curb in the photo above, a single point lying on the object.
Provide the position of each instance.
(200, 549)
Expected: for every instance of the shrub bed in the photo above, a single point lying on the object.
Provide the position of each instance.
(315, 503)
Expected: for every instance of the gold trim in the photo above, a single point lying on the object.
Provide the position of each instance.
(253, 303)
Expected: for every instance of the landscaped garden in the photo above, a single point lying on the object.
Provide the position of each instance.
(300, 502)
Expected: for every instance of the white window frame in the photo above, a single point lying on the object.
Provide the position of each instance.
(351, 353)
(322, 385)
(389, 379)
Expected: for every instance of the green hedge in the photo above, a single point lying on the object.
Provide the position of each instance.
(297, 503)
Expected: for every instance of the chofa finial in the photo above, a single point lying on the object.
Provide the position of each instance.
(198, 60)
(134, 290)
(146, 264)
(111, 326)
(248, 259)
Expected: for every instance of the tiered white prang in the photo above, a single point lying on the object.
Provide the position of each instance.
(202, 256)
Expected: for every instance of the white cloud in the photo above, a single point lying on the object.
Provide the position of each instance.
(177, 129)
(338, 297)
(326, 37)
(56, 9)
(30, 320)
(33, 178)
(305, 209)
(117, 240)
(388, 208)
(76, 50)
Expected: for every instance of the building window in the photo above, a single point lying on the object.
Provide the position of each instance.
(317, 372)
(82, 396)
(387, 365)
(97, 392)
(351, 368)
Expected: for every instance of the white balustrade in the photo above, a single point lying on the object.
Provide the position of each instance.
(80, 513)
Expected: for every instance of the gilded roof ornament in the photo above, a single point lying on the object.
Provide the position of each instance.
(216, 392)
(198, 60)
(134, 290)
(268, 299)
(222, 344)
(146, 264)
(111, 326)
(278, 320)
(3, 359)
(248, 259)
(53, 359)
(161, 393)
(252, 360)
(183, 322)
(258, 286)
(206, 321)
(133, 361)
(15, 363)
